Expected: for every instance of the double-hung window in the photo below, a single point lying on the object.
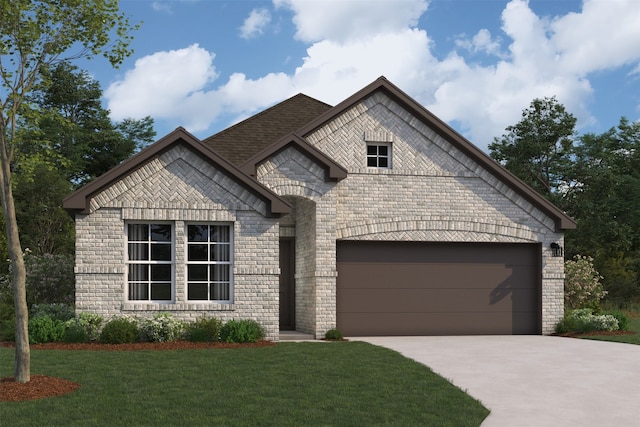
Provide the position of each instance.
(209, 263)
(379, 155)
(150, 262)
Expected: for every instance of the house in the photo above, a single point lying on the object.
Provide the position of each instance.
(372, 216)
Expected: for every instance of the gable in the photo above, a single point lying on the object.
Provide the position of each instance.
(438, 149)
(178, 179)
(145, 163)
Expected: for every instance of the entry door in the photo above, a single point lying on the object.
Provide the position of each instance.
(287, 284)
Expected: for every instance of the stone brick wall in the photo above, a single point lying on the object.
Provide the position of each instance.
(433, 192)
(178, 187)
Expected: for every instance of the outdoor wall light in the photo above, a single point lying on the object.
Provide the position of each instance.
(556, 249)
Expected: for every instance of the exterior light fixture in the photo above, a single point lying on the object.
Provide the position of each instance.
(556, 249)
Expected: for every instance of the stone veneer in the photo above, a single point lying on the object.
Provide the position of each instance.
(178, 187)
(433, 192)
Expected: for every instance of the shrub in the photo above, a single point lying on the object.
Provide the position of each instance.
(7, 322)
(241, 331)
(623, 320)
(333, 335)
(160, 328)
(88, 323)
(584, 321)
(50, 278)
(75, 333)
(582, 287)
(44, 329)
(204, 330)
(56, 311)
(120, 330)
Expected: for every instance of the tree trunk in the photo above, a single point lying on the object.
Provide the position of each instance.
(22, 370)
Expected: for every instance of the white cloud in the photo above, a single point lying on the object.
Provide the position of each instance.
(162, 85)
(160, 6)
(352, 43)
(255, 23)
(343, 21)
(482, 42)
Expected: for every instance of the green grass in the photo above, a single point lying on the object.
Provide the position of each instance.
(291, 384)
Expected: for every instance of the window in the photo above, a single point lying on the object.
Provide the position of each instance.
(150, 262)
(209, 263)
(379, 155)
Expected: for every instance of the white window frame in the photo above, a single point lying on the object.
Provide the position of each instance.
(210, 281)
(150, 263)
(377, 156)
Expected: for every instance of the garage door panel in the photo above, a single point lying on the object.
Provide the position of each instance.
(433, 300)
(435, 252)
(413, 288)
(436, 276)
(394, 324)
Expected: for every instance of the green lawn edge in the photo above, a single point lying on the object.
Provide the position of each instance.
(290, 384)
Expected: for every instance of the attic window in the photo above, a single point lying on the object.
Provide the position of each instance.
(379, 155)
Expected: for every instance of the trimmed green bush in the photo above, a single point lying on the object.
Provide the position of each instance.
(75, 333)
(333, 335)
(44, 329)
(120, 330)
(583, 321)
(83, 327)
(241, 331)
(205, 329)
(161, 327)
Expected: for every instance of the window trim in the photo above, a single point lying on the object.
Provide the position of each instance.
(230, 263)
(377, 156)
(150, 262)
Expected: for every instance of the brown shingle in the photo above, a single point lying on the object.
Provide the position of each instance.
(242, 140)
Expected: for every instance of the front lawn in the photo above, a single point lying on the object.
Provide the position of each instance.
(347, 383)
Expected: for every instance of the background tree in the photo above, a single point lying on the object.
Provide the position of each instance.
(85, 143)
(538, 148)
(70, 141)
(35, 34)
(605, 201)
(594, 178)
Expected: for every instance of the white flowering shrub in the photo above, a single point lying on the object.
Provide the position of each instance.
(161, 327)
(582, 287)
(605, 322)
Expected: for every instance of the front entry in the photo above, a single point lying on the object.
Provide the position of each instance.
(287, 284)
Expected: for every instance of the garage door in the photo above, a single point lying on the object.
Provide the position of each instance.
(408, 288)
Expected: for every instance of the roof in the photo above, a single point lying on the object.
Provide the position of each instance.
(80, 199)
(561, 219)
(243, 140)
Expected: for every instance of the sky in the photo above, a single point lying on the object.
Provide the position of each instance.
(476, 64)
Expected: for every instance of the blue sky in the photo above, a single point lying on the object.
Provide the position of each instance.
(205, 64)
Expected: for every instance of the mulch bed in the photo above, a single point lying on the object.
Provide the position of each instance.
(42, 386)
(594, 333)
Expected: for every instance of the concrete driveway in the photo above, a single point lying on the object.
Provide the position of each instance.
(535, 380)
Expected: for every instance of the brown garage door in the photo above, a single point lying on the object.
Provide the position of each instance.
(408, 288)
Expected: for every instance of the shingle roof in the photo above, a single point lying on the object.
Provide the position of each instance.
(243, 140)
